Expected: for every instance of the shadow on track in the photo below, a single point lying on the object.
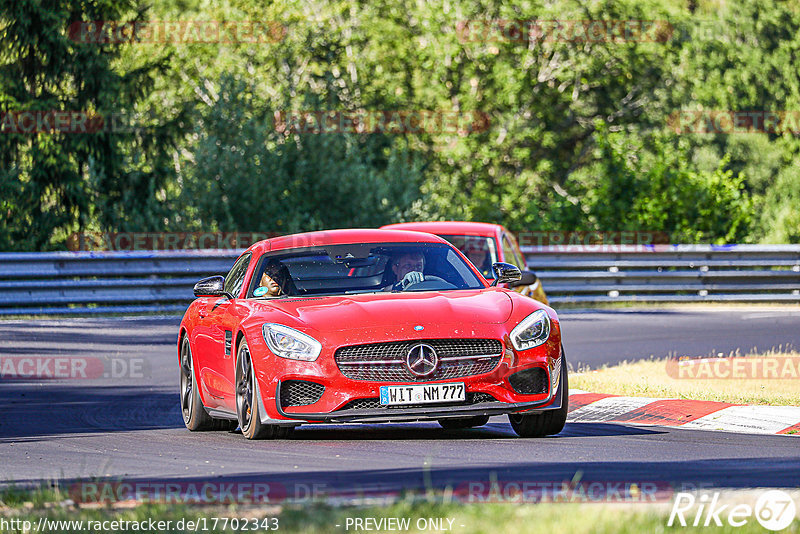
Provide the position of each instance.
(491, 431)
(31, 412)
(678, 475)
(91, 332)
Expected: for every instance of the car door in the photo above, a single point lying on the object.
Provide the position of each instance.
(218, 325)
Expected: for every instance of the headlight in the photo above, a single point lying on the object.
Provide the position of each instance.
(289, 343)
(531, 331)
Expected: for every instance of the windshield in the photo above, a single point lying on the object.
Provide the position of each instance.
(481, 251)
(362, 268)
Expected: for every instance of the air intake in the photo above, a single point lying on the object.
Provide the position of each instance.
(300, 393)
(531, 381)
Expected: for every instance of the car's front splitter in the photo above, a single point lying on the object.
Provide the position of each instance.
(428, 413)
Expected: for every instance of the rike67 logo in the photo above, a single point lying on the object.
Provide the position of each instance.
(774, 510)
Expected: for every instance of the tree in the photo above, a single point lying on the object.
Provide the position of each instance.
(58, 180)
(647, 184)
(247, 175)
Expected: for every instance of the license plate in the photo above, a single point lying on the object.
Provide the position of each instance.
(422, 394)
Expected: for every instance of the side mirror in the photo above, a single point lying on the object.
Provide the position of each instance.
(213, 286)
(528, 278)
(505, 273)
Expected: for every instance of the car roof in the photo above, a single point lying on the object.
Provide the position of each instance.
(343, 237)
(449, 227)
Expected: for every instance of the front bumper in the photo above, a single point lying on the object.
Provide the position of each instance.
(496, 394)
(428, 413)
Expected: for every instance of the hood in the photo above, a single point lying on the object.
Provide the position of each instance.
(380, 310)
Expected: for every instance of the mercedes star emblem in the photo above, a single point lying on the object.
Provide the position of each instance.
(422, 360)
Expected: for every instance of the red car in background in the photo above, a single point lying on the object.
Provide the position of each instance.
(367, 326)
(483, 244)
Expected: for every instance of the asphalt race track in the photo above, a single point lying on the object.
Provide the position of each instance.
(602, 336)
(126, 424)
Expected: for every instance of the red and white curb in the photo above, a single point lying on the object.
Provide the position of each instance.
(683, 413)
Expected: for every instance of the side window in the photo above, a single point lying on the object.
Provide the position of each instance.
(520, 258)
(235, 278)
(509, 253)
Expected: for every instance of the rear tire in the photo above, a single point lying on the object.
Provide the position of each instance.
(247, 405)
(194, 413)
(547, 423)
(464, 422)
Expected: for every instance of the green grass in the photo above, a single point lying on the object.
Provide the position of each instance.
(608, 518)
(463, 519)
(650, 378)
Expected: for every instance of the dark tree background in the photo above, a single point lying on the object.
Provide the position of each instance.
(579, 137)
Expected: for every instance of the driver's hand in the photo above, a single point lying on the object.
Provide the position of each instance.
(413, 277)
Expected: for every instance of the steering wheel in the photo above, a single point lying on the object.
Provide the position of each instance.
(430, 282)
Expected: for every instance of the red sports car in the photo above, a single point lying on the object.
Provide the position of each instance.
(367, 326)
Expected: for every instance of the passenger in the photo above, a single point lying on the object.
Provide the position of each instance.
(275, 281)
(407, 269)
(268, 287)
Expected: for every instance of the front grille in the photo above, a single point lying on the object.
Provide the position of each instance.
(363, 404)
(375, 403)
(386, 362)
(300, 393)
(530, 381)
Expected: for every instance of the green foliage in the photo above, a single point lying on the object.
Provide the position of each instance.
(54, 182)
(780, 220)
(246, 174)
(578, 135)
(743, 57)
(645, 186)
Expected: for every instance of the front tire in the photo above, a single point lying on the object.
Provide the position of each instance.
(247, 405)
(194, 413)
(547, 423)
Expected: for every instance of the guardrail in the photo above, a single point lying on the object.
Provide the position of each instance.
(105, 282)
(140, 282)
(668, 273)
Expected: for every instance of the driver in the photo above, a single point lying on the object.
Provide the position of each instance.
(476, 249)
(408, 269)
